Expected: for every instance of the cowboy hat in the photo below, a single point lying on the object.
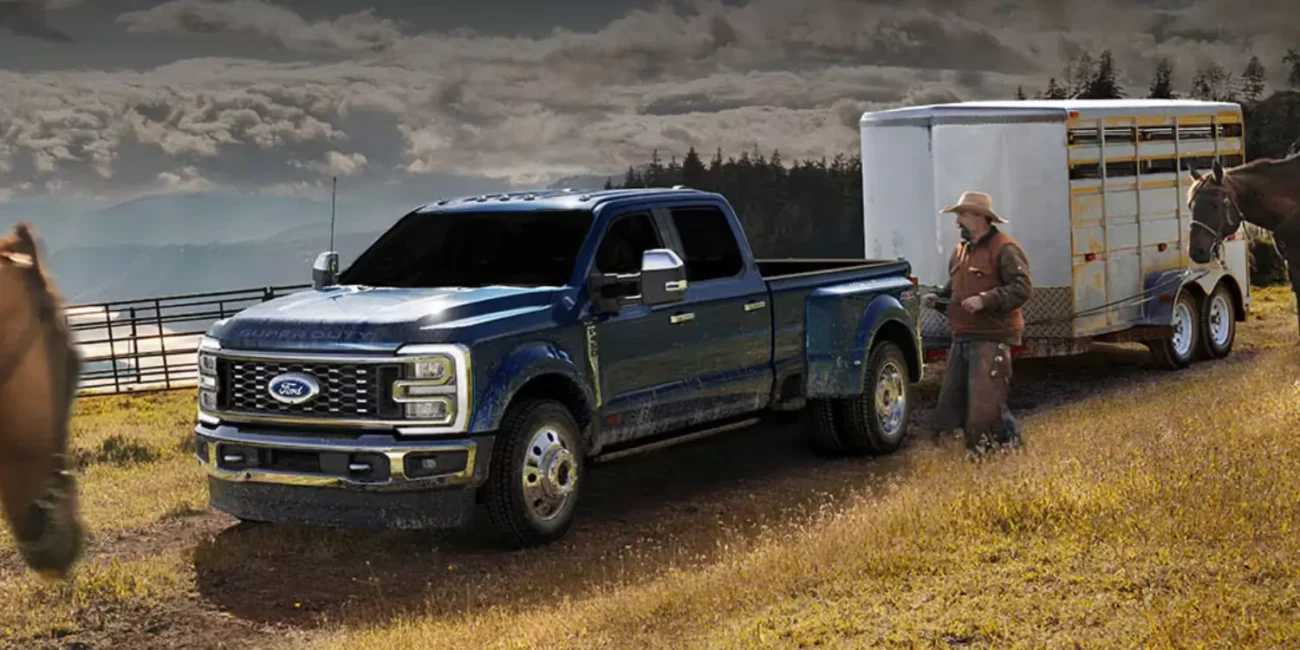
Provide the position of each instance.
(978, 202)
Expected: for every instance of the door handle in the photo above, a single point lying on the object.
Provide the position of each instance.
(675, 285)
(678, 319)
(756, 305)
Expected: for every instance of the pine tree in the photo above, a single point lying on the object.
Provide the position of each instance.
(1292, 59)
(1214, 83)
(609, 183)
(694, 174)
(1020, 93)
(1081, 75)
(1162, 86)
(1253, 80)
(1055, 90)
(1104, 84)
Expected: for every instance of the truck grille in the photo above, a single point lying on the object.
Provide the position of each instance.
(347, 390)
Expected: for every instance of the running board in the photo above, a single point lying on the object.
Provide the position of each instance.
(674, 441)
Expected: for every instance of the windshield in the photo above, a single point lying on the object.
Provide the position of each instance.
(474, 249)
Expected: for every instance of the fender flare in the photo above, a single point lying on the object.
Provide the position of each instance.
(524, 364)
(830, 372)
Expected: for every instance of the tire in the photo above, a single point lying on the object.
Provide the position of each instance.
(1178, 351)
(826, 434)
(1218, 324)
(876, 421)
(539, 444)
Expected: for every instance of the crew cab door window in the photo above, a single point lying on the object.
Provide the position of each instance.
(708, 244)
(627, 239)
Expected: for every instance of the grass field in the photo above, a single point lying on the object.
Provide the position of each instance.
(1149, 509)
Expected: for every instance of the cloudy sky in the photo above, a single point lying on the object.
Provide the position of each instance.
(108, 99)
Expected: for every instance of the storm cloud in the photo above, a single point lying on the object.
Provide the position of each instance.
(377, 99)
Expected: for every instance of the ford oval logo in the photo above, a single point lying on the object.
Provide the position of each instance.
(293, 388)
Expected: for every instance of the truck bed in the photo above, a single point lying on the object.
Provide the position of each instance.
(780, 269)
(792, 282)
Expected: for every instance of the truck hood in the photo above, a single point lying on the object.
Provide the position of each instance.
(378, 319)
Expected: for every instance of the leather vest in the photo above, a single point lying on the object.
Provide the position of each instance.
(974, 269)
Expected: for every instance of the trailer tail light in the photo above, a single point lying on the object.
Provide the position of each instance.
(932, 356)
(1089, 257)
(1162, 247)
(1231, 237)
(915, 282)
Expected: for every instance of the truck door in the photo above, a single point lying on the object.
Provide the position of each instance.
(731, 341)
(645, 355)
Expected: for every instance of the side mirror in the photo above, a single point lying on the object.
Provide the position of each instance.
(325, 270)
(663, 277)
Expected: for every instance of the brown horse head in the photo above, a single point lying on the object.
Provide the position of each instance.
(38, 382)
(1215, 202)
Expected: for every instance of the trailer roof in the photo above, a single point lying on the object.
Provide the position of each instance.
(1042, 110)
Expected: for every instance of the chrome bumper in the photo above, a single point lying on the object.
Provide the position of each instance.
(224, 452)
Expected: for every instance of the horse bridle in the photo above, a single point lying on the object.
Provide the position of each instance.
(1232, 220)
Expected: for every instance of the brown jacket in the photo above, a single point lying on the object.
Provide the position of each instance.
(996, 269)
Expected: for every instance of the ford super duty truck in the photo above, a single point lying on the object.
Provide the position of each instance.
(485, 352)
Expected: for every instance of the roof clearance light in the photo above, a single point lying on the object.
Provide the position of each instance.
(1074, 113)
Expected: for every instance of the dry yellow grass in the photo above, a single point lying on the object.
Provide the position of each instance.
(1162, 517)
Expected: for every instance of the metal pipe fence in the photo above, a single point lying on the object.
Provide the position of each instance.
(151, 344)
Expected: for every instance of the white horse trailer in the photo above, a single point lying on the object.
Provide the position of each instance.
(1096, 193)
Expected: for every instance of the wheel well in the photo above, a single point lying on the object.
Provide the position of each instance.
(1238, 301)
(561, 389)
(898, 333)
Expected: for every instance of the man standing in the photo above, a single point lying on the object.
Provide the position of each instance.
(988, 282)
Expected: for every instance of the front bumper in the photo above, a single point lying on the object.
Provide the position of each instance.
(370, 480)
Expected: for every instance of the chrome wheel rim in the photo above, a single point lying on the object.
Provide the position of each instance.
(891, 398)
(550, 474)
(1182, 329)
(1220, 321)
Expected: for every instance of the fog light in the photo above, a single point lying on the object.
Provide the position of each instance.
(437, 410)
(208, 400)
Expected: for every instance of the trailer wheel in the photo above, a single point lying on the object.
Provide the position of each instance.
(1218, 324)
(1177, 351)
(535, 475)
(876, 421)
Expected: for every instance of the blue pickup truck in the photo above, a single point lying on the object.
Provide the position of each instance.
(484, 352)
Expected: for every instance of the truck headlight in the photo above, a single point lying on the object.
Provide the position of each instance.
(209, 386)
(434, 388)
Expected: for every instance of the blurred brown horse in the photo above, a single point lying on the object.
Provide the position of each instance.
(39, 368)
(1263, 192)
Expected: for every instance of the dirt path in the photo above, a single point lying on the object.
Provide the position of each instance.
(677, 507)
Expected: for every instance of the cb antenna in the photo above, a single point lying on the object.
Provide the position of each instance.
(333, 198)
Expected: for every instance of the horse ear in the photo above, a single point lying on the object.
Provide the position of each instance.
(1218, 171)
(25, 235)
(1195, 174)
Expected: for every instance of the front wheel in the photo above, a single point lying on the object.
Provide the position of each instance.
(1218, 324)
(1177, 351)
(876, 421)
(536, 473)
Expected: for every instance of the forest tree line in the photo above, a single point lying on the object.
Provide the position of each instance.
(813, 208)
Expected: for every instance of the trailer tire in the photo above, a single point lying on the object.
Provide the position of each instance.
(826, 435)
(538, 444)
(1218, 324)
(1178, 351)
(876, 421)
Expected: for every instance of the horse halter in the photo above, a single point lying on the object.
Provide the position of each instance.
(1232, 219)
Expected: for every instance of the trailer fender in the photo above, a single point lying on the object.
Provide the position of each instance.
(1161, 287)
(841, 333)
